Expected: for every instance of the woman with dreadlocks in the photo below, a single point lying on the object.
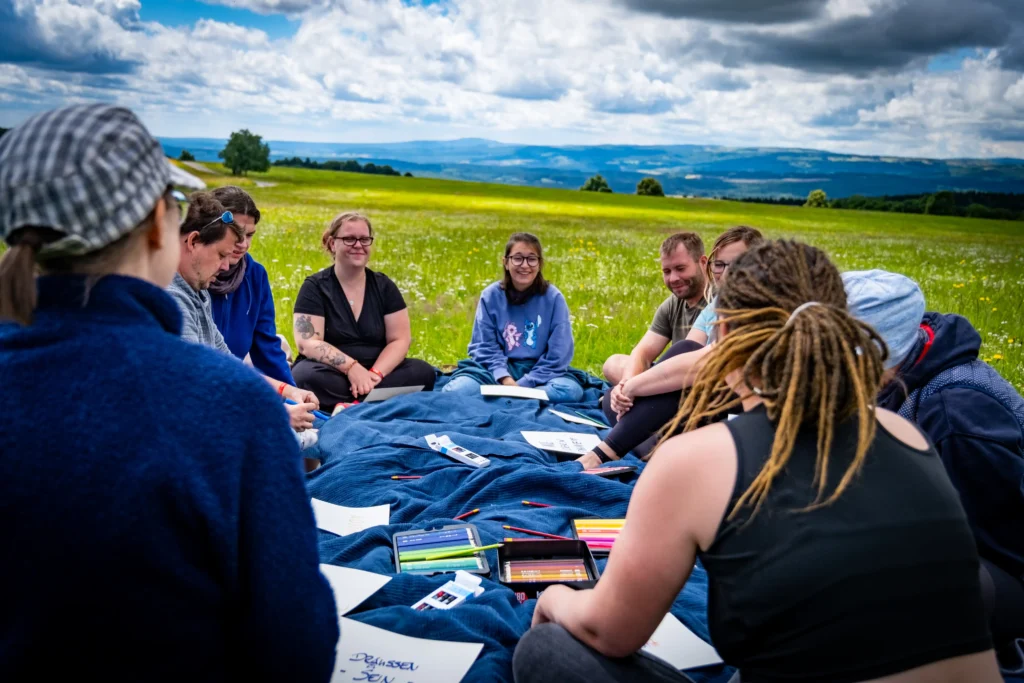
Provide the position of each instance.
(835, 546)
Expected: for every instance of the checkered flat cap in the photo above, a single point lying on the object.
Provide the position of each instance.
(90, 172)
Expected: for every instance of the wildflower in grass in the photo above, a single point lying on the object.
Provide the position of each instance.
(994, 309)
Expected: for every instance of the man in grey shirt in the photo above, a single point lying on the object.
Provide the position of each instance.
(683, 265)
(208, 236)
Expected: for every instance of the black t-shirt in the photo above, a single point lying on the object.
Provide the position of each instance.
(321, 294)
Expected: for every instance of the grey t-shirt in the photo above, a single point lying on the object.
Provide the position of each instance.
(675, 317)
(197, 315)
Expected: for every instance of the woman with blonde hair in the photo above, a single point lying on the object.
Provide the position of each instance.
(835, 545)
(351, 323)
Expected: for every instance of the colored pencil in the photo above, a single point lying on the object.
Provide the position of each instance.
(536, 505)
(460, 553)
(428, 537)
(587, 417)
(470, 563)
(467, 514)
(421, 552)
(537, 533)
(406, 476)
(317, 413)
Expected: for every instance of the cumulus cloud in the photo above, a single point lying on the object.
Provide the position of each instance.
(849, 75)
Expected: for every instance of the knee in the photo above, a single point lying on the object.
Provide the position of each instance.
(421, 372)
(544, 654)
(464, 386)
(612, 368)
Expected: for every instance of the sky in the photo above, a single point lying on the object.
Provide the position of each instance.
(931, 78)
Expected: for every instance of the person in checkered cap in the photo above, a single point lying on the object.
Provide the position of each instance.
(151, 493)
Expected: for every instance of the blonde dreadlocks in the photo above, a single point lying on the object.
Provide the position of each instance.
(818, 367)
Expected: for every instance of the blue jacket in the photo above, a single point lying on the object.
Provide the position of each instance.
(246, 319)
(975, 418)
(538, 330)
(155, 520)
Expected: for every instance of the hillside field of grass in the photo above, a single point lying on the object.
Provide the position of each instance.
(441, 242)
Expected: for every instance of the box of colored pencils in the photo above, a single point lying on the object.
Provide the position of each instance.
(529, 567)
(599, 534)
(415, 550)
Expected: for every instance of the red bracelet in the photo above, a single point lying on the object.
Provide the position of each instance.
(280, 388)
(377, 372)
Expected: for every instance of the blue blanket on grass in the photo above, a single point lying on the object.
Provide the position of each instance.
(366, 444)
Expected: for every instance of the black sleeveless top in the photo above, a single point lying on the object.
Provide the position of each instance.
(883, 580)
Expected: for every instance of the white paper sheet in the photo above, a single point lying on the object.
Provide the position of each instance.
(368, 653)
(562, 442)
(380, 394)
(513, 392)
(578, 419)
(679, 646)
(351, 586)
(343, 521)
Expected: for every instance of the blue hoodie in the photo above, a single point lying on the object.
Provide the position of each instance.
(974, 417)
(246, 319)
(537, 330)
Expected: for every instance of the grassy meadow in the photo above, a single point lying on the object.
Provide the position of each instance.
(441, 242)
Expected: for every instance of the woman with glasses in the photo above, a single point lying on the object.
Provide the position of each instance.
(638, 408)
(522, 335)
(351, 323)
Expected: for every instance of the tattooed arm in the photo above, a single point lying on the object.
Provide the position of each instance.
(309, 337)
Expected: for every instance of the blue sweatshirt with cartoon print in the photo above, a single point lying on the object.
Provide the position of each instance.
(536, 330)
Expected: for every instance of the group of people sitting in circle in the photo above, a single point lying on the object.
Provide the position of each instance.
(847, 470)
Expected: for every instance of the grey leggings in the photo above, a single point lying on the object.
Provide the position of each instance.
(550, 654)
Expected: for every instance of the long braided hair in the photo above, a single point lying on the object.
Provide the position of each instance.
(818, 367)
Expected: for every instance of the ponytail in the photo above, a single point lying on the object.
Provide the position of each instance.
(18, 276)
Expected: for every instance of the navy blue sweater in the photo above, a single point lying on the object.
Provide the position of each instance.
(246, 319)
(154, 517)
(974, 419)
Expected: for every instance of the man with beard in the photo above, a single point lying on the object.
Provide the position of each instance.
(683, 264)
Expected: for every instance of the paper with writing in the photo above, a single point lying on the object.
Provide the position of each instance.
(351, 586)
(679, 646)
(513, 392)
(562, 442)
(343, 521)
(368, 653)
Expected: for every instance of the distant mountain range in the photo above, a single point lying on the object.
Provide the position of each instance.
(699, 170)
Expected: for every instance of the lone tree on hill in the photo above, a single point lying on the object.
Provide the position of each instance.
(817, 200)
(245, 152)
(596, 184)
(186, 156)
(650, 187)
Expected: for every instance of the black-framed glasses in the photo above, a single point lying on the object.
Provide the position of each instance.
(519, 260)
(718, 267)
(351, 241)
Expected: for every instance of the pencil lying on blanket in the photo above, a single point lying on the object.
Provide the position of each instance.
(537, 533)
(467, 514)
(536, 505)
(406, 476)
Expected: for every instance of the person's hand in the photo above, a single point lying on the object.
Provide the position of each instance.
(301, 416)
(375, 378)
(360, 380)
(507, 381)
(589, 460)
(543, 612)
(301, 396)
(621, 399)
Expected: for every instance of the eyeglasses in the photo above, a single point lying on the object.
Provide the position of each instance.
(181, 200)
(351, 241)
(519, 260)
(718, 267)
